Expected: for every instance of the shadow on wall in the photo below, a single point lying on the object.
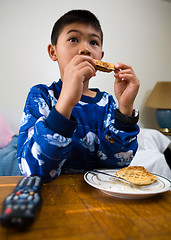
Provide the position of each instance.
(149, 118)
(167, 1)
(148, 115)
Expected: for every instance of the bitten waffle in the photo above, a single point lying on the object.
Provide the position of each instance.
(104, 66)
(136, 175)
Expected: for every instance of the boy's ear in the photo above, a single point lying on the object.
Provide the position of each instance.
(52, 52)
(102, 54)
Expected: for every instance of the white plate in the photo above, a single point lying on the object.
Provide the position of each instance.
(120, 189)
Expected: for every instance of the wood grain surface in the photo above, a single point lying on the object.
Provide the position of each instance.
(74, 210)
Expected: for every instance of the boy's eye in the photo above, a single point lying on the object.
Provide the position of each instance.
(93, 42)
(73, 39)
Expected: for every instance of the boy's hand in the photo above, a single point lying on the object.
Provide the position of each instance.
(79, 70)
(126, 87)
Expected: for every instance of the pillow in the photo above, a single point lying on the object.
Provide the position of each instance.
(152, 139)
(5, 133)
(151, 145)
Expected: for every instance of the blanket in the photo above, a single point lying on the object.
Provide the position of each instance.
(8, 159)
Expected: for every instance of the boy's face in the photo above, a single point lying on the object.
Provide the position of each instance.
(76, 39)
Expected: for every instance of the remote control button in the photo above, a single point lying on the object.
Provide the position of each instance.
(35, 188)
(16, 198)
(30, 198)
(23, 207)
(8, 210)
(21, 183)
(15, 207)
(30, 181)
(23, 196)
(30, 206)
(9, 197)
(37, 182)
(16, 220)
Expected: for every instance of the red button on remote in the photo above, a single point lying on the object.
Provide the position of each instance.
(8, 210)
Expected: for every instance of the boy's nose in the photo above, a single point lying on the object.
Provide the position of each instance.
(84, 50)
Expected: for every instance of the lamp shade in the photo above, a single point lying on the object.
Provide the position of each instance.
(160, 97)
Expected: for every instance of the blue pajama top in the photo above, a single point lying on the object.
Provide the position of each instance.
(49, 144)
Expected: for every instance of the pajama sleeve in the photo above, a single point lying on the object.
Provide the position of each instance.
(45, 136)
(118, 141)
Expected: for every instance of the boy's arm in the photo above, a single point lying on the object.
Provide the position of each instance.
(118, 144)
(126, 88)
(43, 145)
(123, 130)
(75, 77)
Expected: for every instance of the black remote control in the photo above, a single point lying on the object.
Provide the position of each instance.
(19, 208)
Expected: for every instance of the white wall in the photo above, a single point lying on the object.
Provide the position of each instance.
(137, 32)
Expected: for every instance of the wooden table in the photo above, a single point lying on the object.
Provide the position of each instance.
(74, 210)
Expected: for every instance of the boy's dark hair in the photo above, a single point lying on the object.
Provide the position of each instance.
(73, 16)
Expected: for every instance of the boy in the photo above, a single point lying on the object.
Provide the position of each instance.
(67, 127)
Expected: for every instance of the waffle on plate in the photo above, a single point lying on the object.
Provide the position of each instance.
(136, 175)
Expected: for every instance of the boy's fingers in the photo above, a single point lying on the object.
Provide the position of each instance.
(123, 72)
(82, 58)
(116, 71)
(122, 66)
(86, 64)
(126, 76)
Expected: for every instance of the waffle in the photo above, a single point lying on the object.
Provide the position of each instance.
(104, 66)
(136, 175)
